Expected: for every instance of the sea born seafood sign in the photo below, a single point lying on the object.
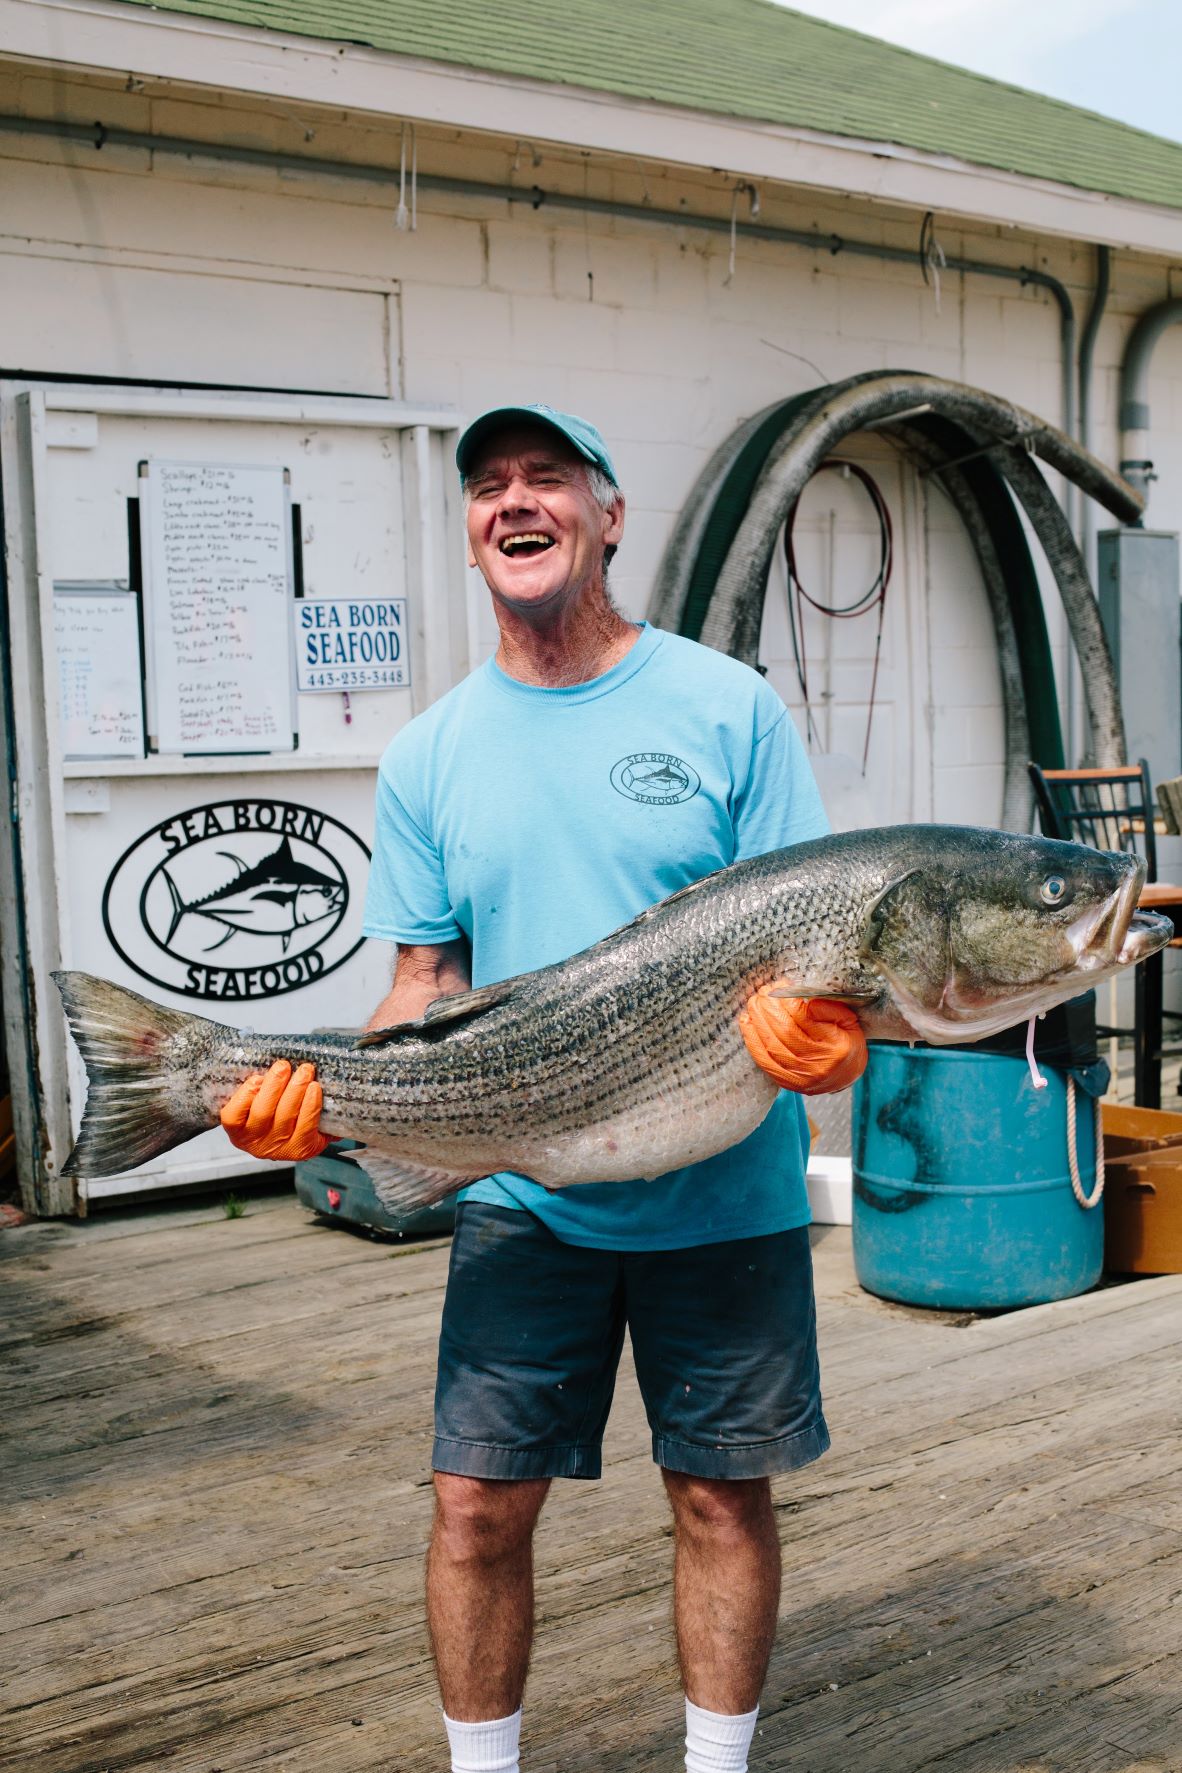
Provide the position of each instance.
(238, 899)
(356, 643)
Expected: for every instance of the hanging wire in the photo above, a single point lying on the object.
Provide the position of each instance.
(866, 601)
(405, 218)
(752, 193)
(401, 215)
(730, 263)
(932, 257)
(587, 227)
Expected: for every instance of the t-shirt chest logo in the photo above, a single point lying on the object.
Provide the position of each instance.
(655, 778)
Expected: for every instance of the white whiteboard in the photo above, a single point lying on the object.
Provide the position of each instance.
(217, 606)
(100, 678)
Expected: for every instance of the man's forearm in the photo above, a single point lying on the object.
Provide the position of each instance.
(421, 975)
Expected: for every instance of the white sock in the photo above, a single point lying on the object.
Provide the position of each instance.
(716, 1742)
(491, 1747)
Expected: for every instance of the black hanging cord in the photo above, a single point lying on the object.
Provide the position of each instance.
(872, 598)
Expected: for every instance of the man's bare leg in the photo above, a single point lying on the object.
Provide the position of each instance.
(480, 1592)
(726, 1587)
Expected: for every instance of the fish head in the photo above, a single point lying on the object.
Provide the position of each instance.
(313, 903)
(995, 927)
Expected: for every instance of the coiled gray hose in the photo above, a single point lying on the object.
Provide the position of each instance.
(814, 425)
(1101, 690)
(1017, 794)
(669, 590)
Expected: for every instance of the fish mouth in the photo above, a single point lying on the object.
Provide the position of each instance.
(1117, 934)
(1147, 934)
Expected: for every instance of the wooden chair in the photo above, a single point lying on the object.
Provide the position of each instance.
(1109, 809)
(1113, 809)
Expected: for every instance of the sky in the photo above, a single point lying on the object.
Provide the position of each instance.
(1121, 57)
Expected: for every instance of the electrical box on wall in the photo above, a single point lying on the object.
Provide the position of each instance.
(1140, 608)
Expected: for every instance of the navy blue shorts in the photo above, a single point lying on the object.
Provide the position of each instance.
(724, 1338)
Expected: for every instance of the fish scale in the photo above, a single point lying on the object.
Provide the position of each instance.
(626, 1060)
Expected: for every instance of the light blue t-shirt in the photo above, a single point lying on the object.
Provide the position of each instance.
(536, 821)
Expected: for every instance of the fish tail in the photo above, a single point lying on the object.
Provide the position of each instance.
(178, 906)
(134, 1109)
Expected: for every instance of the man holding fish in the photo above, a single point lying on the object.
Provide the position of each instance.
(593, 767)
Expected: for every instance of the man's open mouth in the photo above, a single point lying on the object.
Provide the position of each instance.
(526, 545)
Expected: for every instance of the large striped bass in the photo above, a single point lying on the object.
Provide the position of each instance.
(626, 1060)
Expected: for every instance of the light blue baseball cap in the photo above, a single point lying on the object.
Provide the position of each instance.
(583, 436)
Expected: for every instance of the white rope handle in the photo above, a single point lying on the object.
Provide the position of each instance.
(1093, 1199)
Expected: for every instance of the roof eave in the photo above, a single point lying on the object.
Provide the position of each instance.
(113, 37)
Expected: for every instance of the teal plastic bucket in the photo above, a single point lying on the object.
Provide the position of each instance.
(962, 1187)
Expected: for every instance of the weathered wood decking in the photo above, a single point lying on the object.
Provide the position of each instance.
(215, 1501)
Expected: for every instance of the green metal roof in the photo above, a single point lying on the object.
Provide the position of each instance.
(745, 58)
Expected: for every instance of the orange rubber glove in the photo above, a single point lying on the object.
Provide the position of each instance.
(276, 1114)
(811, 1045)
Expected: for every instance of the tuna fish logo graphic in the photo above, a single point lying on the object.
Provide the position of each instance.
(655, 778)
(666, 780)
(243, 898)
(276, 897)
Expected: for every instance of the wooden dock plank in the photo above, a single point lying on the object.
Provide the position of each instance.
(217, 1500)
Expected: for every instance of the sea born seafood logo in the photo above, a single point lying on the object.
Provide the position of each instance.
(238, 899)
(655, 778)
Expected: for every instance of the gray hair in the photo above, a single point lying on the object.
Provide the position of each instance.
(602, 488)
(605, 492)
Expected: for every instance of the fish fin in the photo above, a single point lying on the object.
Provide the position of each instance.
(222, 940)
(178, 906)
(874, 911)
(237, 860)
(457, 1006)
(651, 911)
(134, 1108)
(405, 1187)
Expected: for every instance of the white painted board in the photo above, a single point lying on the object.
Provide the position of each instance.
(217, 606)
(99, 671)
(351, 643)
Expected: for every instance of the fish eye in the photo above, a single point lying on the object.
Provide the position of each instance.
(1053, 890)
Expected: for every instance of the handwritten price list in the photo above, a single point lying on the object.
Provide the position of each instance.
(220, 606)
(98, 663)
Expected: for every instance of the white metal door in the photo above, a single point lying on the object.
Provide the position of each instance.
(936, 733)
(130, 868)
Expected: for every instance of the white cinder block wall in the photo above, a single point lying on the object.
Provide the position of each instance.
(125, 263)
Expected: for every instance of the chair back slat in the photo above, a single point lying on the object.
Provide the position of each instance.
(1110, 809)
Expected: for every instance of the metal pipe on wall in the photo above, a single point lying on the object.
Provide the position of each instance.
(99, 135)
(1136, 465)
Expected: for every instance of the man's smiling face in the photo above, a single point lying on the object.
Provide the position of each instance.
(535, 529)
